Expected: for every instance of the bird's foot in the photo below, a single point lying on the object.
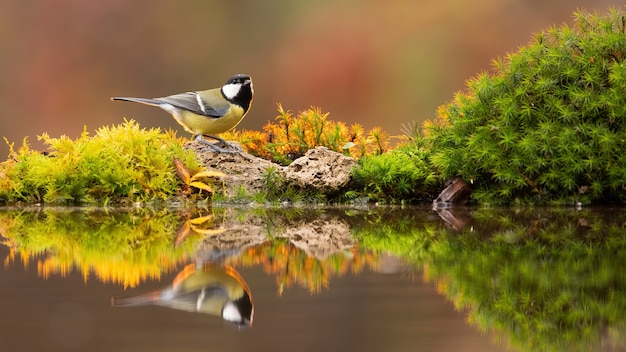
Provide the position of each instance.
(218, 149)
(221, 146)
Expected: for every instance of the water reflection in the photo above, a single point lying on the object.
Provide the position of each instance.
(208, 288)
(539, 279)
(124, 246)
(533, 279)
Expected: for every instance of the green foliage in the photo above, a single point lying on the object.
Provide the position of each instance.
(122, 162)
(548, 124)
(401, 174)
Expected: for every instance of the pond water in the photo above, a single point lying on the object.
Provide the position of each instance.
(330, 279)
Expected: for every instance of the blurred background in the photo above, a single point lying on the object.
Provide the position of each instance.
(378, 63)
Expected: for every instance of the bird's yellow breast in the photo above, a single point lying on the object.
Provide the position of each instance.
(210, 125)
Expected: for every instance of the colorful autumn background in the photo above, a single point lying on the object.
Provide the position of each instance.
(379, 63)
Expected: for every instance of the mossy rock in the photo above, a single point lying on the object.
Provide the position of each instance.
(547, 124)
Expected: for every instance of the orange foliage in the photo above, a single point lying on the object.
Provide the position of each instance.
(292, 135)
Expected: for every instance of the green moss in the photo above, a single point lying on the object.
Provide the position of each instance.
(121, 162)
(403, 174)
(275, 190)
(548, 124)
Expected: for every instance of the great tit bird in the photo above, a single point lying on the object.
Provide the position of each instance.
(208, 112)
(212, 289)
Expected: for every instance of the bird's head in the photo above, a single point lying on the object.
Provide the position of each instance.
(239, 312)
(239, 90)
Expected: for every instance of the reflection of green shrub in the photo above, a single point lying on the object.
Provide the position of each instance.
(123, 247)
(121, 162)
(549, 124)
(546, 292)
(545, 280)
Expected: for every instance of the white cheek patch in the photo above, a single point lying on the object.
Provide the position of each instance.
(231, 313)
(231, 90)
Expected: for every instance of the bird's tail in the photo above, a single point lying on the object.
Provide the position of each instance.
(153, 102)
(141, 300)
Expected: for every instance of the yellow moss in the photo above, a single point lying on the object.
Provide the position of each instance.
(119, 162)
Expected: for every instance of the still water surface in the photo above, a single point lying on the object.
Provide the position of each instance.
(326, 280)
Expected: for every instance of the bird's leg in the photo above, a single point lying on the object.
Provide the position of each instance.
(198, 138)
(220, 142)
(215, 146)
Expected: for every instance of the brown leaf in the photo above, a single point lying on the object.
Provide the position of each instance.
(182, 171)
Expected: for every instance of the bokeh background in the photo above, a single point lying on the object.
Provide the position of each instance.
(378, 63)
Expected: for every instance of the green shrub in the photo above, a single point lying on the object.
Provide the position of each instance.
(548, 124)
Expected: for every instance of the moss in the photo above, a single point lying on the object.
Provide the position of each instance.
(400, 175)
(548, 124)
(119, 163)
(291, 136)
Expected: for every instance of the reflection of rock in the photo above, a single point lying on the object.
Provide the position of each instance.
(235, 239)
(321, 169)
(456, 218)
(319, 235)
(389, 264)
(320, 238)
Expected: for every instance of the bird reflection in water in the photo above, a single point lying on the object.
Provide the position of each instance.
(205, 288)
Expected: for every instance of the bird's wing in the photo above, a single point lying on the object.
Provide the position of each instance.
(193, 301)
(192, 101)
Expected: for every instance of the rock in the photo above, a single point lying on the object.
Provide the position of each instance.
(456, 192)
(242, 169)
(321, 169)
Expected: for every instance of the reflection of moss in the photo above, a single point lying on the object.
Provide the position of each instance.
(123, 247)
(546, 280)
(293, 266)
(128, 247)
